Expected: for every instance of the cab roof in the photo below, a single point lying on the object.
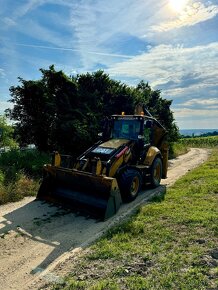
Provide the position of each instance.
(139, 117)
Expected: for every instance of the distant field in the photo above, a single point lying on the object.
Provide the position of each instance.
(182, 146)
(207, 142)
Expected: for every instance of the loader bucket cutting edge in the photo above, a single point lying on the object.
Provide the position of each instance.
(97, 195)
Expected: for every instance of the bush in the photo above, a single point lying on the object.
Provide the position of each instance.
(17, 190)
(176, 149)
(29, 161)
(20, 172)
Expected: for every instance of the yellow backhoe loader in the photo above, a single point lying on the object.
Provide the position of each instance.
(132, 152)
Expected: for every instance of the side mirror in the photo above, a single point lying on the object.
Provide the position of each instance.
(140, 137)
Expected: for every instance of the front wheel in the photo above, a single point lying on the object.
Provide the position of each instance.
(156, 172)
(130, 183)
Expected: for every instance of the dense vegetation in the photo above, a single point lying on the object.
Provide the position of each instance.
(167, 245)
(6, 134)
(65, 113)
(201, 142)
(20, 172)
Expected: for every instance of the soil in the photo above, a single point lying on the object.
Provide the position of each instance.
(38, 240)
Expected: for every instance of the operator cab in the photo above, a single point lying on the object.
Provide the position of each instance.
(126, 129)
(132, 127)
(142, 130)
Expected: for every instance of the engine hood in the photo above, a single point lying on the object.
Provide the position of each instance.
(114, 143)
(107, 149)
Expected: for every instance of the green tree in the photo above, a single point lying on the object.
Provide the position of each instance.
(6, 134)
(59, 112)
(159, 108)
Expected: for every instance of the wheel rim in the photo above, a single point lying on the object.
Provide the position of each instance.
(157, 172)
(135, 186)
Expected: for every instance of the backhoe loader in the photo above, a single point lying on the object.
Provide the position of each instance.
(132, 152)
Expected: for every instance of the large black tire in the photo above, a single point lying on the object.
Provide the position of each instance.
(156, 172)
(130, 182)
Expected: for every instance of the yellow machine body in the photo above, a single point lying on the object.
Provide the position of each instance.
(112, 170)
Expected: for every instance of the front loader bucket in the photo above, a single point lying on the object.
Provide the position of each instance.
(98, 196)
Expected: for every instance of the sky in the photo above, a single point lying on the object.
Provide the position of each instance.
(171, 44)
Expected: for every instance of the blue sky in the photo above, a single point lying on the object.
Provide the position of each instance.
(171, 44)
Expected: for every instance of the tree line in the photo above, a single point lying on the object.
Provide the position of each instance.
(207, 134)
(65, 113)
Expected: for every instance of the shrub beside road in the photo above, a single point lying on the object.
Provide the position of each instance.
(20, 172)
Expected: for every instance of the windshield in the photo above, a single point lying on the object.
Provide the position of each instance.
(126, 129)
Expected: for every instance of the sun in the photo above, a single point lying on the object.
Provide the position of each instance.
(178, 5)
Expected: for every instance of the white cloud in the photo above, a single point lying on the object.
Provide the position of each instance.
(96, 24)
(166, 63)
(97, 32)
(213, 102)
(29, 5)
(9, 22)
(200, 123)
(4, 105)
(22, 10)
(41, 33)
(190, 90)
(196, 118)
(75, 50)
(2, 73)
(193, 14)
(189, 75)
(202, 113)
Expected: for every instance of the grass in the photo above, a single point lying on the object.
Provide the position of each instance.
(20, 173)
(166, 245)
(28, 161)
(177, 149)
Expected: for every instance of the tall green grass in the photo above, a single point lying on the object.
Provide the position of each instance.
(177, 149)
(29, 161)
(20, 172)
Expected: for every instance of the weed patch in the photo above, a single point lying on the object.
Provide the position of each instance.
(20, 173)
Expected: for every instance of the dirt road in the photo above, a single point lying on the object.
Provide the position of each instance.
(35, 237)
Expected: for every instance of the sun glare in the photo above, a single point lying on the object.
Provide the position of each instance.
(178, 5)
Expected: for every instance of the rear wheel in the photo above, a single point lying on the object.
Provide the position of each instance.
(130, 183)
(156, 172)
